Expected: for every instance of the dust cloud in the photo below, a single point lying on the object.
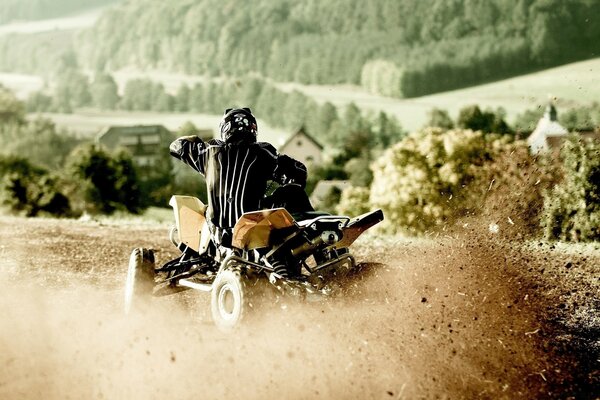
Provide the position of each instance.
(57, 344)
(446, 318)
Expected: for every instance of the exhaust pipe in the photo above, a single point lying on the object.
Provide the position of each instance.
(327, 237)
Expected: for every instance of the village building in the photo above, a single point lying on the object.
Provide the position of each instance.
(548, 133)
(303, 148)
(146, 143)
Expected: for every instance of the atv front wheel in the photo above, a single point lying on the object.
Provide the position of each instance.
(140, 278)
(229, 299)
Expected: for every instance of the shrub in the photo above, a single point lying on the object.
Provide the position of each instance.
(354, 201)
(102, 182)
(572, 208)
(423, 181)
(25, 188)
(488, 121)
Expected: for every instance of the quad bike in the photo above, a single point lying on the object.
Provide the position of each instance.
(297, 254)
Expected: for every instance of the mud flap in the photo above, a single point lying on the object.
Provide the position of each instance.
(357, 226)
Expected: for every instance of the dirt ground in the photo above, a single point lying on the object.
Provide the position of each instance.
(453, 317)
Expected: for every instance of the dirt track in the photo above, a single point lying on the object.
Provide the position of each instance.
(447, 318)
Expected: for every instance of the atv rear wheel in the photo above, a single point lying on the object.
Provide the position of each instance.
(229, 299)
(140, 278)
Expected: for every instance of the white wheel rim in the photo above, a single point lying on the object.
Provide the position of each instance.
(226, 295)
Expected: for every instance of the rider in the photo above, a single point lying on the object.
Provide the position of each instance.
(237, 169)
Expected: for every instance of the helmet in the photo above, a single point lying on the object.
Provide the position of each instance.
(238, 125)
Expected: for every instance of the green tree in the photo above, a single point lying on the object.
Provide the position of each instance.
(528, 119)
(182, 99)
(103, 183)
(439, 118)
(31, 190)
(385, 131)
(72, 91)
(12, 110)
(359, 171)
(325, 117)
(382, 77)
(471, 117)
(38, 102)
(39, 141)
(104, 92)
(137, 95)
(572, 208)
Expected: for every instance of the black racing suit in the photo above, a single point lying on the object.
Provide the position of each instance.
(236, 177)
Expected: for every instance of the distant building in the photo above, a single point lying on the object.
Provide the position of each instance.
(147, 143)
(303, 148)
(548, 133)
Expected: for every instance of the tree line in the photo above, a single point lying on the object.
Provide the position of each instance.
(280, 109)
(397, 48)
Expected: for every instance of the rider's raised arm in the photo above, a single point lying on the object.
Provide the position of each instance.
(191, 150)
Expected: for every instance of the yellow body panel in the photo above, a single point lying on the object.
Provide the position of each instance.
(190, 220)
(253, 230)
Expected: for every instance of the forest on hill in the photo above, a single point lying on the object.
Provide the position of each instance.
(17, 10)
(396, 48)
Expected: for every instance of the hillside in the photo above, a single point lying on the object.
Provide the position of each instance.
(399, 48)
(571, 85)
(393, 48)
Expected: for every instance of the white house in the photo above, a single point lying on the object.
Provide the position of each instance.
(303, 148)
(547, 129)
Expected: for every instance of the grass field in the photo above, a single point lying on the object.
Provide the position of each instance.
(572, 85)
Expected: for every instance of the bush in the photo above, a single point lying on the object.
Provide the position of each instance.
(354, 201)
(103, 183)
(423, 181)
(25, 188)
(488, 121)
(572, 208)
